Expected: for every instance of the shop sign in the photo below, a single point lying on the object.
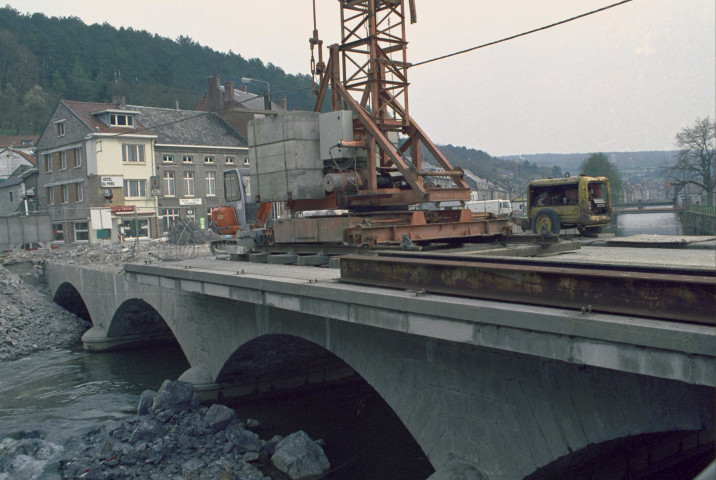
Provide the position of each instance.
(189, 201)
(121, 208)
(112, 182)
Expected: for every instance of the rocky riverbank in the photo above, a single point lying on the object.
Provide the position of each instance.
(30, 321)
(175, 437)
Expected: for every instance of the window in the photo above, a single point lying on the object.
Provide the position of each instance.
(246, 160)
(132, 153)
(120, 120)
(63, 160)
(65, 194)
(167, 158)
(60, 128)
(209, 159)
(80, 192)
(189, 184)
(169, 218)
(135, 188)
(58, 232)
(229, 160)
(78, 157)
(50, 195)
(210, 183)
(48, 162)
(138, 228)
(187, 159)
(169, 186)
(232, 189)
(10, 196)
(81, 231)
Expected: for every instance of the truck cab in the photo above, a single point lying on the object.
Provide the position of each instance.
(581, 202)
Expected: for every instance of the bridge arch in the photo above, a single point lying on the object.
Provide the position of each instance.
(673, 455)
(137, 317)
(71, 300)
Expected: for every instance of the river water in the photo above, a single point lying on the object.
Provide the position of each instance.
(58, 395)
(649, 223)
(50, 399)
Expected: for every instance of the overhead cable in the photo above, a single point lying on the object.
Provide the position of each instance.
(521, 34)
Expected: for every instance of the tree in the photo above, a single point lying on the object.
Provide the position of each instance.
(599, 165)
(695, 160)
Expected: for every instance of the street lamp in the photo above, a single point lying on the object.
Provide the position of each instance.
(267, 95)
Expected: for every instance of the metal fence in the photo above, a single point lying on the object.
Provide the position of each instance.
(702, 209)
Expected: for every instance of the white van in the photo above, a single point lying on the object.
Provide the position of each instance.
(500, 208)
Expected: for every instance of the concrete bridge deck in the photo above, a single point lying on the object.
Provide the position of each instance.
(502, 390)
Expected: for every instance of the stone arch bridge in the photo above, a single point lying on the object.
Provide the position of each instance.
(489, 390)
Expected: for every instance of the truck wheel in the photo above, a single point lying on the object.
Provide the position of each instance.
(590, 231)
(545, 220)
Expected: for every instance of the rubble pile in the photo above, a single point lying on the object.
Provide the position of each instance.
(174, 436)
(30, 321)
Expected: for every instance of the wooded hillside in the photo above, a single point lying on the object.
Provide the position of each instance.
(46, 59)
(43, 60)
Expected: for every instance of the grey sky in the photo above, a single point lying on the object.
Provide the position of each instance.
(625, 79)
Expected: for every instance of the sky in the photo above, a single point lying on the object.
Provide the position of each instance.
(626, 79)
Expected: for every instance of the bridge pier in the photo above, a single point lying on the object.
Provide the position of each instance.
(96, 340)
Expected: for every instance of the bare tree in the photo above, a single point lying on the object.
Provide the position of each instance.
(695, 160)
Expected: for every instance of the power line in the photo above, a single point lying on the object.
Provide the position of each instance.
(571, 19)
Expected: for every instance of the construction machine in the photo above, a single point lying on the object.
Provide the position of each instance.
(363, 158)
(581, 202)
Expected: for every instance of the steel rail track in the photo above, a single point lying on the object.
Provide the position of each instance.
(675, 294)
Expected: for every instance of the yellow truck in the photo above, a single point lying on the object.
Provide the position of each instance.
(569, 202)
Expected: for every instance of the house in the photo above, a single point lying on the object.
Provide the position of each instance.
(236, 107)
(95, 161)
(192, 150)
(483, 189)
(17, 192)
(23, 143)
(11, 159)
(113, 172)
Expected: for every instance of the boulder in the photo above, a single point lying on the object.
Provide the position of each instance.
(219, 416)
(173, 396)
(300, 458)
(244, 440)
(146, 401)
(146, 431)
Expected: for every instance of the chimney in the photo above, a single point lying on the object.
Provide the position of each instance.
(122, 101)
(228, 91)
(244, 88)
(212, 93)
(281, 102)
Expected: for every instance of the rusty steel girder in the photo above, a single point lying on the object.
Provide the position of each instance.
(678, 295)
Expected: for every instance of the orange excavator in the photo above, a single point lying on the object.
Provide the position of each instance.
(363, 158)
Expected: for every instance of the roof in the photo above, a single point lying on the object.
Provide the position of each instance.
(85, 112)
(564, 181)
(250, 101)
(21, 153)
(18, 140)
(188, 127)
(18, 176)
